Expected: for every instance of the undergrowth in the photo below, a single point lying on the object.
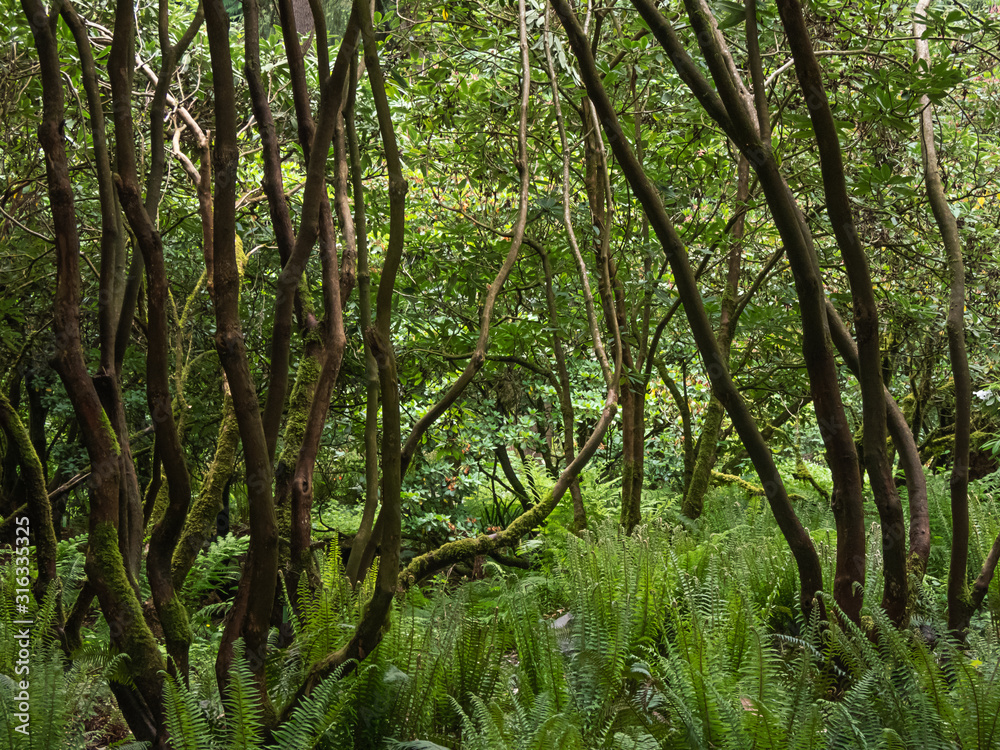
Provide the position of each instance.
(680, 636)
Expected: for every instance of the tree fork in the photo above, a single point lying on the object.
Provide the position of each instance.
(105, 567)
(731, 109)
(866, 321)
(810, 572)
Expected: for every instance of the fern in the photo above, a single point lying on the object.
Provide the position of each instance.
(243, 712)
(313, 720)
(187, 725)
(215, 568)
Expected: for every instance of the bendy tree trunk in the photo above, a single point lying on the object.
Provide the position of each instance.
(962, 602)
(743, 116)
(909, 459)
(111, 311)
(807, 561)
(701, 476)
(106, 571)
(866, 320)
(632, 388)
(564, 393)
(38, 507)
(366, 526)
(250, 615)
(165, 534)
(368, 632)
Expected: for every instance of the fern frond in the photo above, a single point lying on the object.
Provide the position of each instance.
(187, 725)
(243, 710)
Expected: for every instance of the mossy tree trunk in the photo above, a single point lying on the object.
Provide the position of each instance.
(141, 700)
(701, 476)
(38, 507)
(201, 519)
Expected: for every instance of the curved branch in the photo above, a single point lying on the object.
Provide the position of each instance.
(810, 572)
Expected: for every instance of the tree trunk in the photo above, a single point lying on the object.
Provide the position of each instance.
(810, 572)
(731, 108)
(249, 616)
(708, 443)
(105, 567)
(866, 321)
(962, 603)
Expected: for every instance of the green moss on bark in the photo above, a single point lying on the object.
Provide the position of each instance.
(106, 425)
(38, 505)
(201, 518)
(298, 407)
(803, 474)
(176, 629)
(160, 503)
(463, 549)
(701, 477)
(129, 631)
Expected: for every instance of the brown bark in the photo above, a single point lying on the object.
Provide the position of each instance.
(315, 220)
(368, 632)
(961, 602)
(105, 567)
(361, 539)
(334, 343)
(76, 616)
(866, 322)
(39, 509)
(163, 539)
(169, 55)
(312, 377)
(250, 615)
(685, 411)
(810, 573)
(112, 232)
(348, 264)
(613, 303)
(909, 456)
(107, 381)
(731, 109)
(272, 182)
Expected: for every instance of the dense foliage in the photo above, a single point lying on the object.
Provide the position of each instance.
(500, 375)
